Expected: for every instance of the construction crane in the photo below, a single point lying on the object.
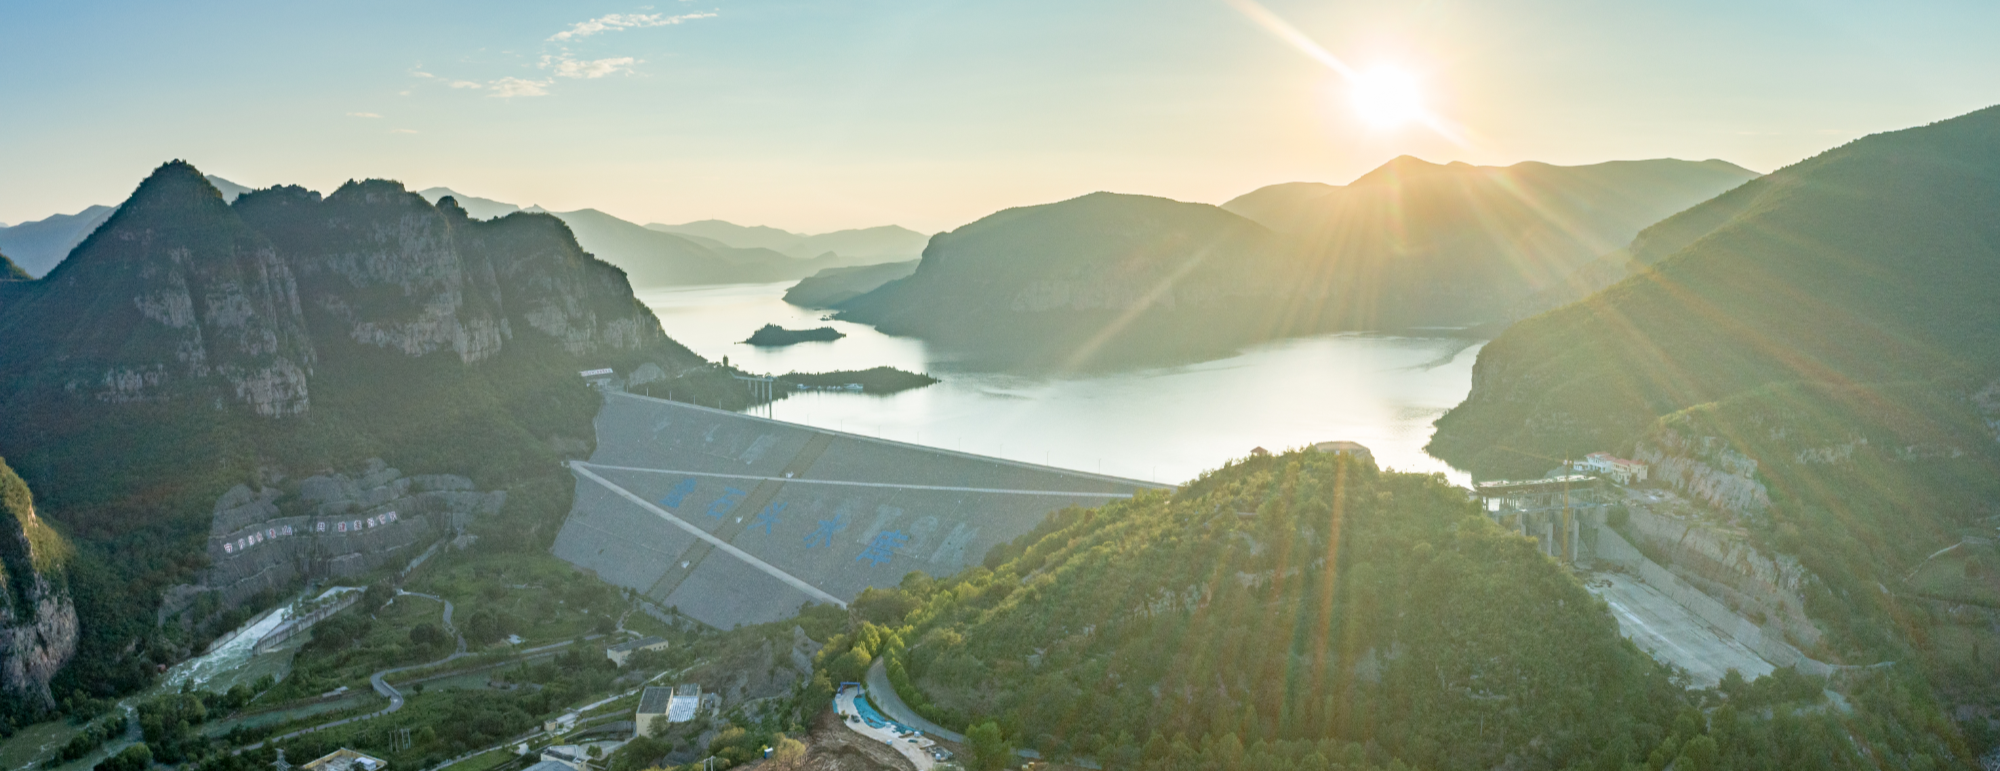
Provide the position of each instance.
(1569, 467)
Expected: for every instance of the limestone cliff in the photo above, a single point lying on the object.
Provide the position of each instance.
(38, 625)
(159, 386)
(326, 526)
(171, 297)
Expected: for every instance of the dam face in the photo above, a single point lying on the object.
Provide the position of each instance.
(735, 519)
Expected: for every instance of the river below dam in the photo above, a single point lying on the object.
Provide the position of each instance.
(1166, 424)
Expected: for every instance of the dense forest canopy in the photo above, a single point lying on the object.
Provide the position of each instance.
(1308, 611)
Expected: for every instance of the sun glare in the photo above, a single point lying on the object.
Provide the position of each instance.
(1386, 97)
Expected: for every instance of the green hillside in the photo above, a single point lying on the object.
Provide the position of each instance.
(9, 271)
(1825, 338)
(1871, 263)
(1308, 611)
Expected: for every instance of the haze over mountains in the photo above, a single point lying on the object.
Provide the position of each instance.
(712, 251)
(1107, 278)
(708, 252)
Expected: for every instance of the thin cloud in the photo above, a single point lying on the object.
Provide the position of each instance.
(362, 115)
(566, 67)
(622, 21)
(465, 84)
(510, 87)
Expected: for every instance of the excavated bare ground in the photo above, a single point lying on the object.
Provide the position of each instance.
(832, 746)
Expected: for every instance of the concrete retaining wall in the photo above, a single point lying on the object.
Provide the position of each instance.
(1770, 644)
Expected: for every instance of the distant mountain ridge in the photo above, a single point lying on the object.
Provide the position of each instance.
(37, 246)
(1109, 278)
(885, 243)
(1466, 244)
(653, 257)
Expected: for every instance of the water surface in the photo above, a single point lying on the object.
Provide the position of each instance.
(1165, 424)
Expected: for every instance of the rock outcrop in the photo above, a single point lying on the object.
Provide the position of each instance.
(38, 624)
(328, 526)
(191, 345)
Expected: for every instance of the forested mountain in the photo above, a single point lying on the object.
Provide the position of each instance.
(474, 206)
(833, 286)
(9, 271)
(885, 243)
(1815, 353)
(1466, 242)
(1103, 279)
(1309, 612)
(41, 244)
(190, 345)
(1109, 278)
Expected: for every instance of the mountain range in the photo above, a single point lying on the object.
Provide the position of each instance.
(1813, 355)
(194, 360)
(707, 252)
(660, 255)
(886, 243)
(1109, 278)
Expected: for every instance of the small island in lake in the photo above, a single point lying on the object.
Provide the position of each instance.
(880, 380)
(772, 336)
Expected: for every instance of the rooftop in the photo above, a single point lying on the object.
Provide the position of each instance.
(653, 701)
(344, 759)
(633, 645)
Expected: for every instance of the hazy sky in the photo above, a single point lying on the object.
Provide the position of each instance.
(931, 113)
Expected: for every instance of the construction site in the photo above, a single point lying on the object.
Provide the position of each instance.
(1671, 611)
(733, 519)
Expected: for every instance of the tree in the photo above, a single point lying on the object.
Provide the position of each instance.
(990, 750)
(786, 754)
(427, 636)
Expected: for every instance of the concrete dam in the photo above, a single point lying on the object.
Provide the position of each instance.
(735, 519)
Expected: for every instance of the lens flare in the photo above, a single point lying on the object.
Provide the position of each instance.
(1386, 97)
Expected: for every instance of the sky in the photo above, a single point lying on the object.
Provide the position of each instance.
(815, 116)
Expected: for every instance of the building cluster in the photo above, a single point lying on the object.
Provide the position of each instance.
(342, 759)
(622, 652)
(662, 706)
(1620, 470)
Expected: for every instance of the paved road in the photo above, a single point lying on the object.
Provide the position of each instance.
(883, 696)
(382, 685)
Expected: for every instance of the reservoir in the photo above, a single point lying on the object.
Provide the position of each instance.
(1165, 424)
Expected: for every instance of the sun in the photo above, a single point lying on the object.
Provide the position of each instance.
(1387, 97)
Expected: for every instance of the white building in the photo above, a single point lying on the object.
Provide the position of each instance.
(1622, 471)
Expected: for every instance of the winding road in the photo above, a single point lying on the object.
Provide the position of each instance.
(381, 684)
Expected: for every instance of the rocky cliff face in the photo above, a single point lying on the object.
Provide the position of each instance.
(38, 624)
(172, 298)
(326, 526)
(191, 345)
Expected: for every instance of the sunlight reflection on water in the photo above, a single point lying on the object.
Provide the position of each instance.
(1166, 424)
